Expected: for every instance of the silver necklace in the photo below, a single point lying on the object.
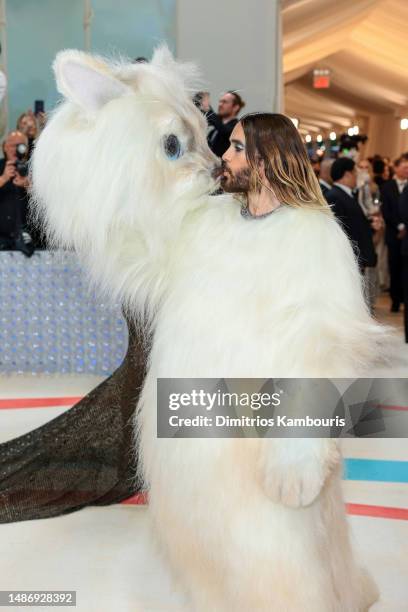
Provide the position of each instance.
(246, 213)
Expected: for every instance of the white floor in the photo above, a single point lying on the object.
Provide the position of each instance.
(107, 554)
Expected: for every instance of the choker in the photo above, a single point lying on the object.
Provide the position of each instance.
(245, 212)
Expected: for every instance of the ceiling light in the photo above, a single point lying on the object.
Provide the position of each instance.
(308, 138)
(333, 136)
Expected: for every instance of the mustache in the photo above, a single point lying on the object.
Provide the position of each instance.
(225, 168)
(218, 170)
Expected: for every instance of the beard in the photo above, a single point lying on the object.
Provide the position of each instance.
(236, 183)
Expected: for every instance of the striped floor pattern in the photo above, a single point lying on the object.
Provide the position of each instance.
(106, 554)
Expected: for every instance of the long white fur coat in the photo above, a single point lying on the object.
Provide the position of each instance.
(247, 525)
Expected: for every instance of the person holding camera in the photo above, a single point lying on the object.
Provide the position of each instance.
(222, 123)
(13, 195)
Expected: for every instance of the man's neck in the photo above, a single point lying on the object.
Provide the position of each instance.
(260, 203)
(344, 187)
(324, 181)
(344, 184)
(226, 119)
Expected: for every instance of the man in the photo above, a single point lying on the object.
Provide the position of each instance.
(14, 198)
(394, 228)
(356, 225)
(403, 210)
(253, 167)
(381, 171)
(325, 180)
(221, 124)
(265, 151)
(237, 174)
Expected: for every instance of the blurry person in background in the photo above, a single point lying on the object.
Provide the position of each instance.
(14, 184)
(359, 228)
(389, 167)
(222, 123)
(403, 210)
(325, 180)
(315, 161)
(369, 198)
(395, 228)
(27, 124)
(381, 170)
(351, 146)
(368, 190)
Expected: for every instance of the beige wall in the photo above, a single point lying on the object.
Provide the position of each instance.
(237, 45)
(385, 136)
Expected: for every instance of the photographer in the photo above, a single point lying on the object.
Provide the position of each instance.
(221, 124)
(13, 195)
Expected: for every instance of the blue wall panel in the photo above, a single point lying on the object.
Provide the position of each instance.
(132, 28)
(37, 29)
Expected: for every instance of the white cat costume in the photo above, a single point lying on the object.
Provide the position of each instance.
(246, 524)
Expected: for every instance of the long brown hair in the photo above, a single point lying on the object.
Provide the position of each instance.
(273, 138)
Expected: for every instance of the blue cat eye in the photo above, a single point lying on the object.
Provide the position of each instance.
(172, 147)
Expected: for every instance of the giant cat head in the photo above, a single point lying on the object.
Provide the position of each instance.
(125, 152)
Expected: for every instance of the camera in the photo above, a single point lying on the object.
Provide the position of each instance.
(22, 163)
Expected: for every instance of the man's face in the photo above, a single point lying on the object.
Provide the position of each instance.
(401, 171)
(10, 144)
(227, 107)
(236, 171)
(364, 165)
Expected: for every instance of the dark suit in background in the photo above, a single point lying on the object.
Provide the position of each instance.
(403, 210)
(390, 210)
(355, 224)
(13, 212)
(325, 187)
(220, 132)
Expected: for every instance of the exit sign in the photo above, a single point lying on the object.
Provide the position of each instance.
(321, 79)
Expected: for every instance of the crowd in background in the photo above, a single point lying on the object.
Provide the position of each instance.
(368, 195)
(17, 230)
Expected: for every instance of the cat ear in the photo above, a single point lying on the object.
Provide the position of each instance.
(86, 80)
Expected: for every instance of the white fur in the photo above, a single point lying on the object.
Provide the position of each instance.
(86, 82)
(246, 524)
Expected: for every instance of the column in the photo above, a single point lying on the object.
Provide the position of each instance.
(237, 46)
